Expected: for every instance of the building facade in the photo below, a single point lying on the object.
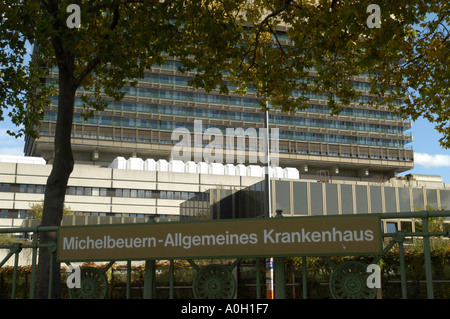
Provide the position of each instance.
(301, 197)
(361, 141)
(133, 190)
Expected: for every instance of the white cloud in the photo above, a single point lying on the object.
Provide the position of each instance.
(10, 145)
(429, 161)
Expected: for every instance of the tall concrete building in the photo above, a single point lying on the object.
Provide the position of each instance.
(360, 142)
(124, 155)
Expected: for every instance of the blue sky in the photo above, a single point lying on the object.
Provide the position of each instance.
(430, 157)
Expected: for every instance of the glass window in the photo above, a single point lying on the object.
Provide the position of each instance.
(95, 191)
(391, 227)
(361, 199)
(80, 191)
(118, 192)
(148, 194)
(23, 214)
(88, 191)
(126, 193)
(445, 198)
(332, 199)
(432, 198)
(375, 199)
(31, 188)
(418, 198)
(283, 197)
(406, 226)
(40, 189)
(102, 191)
(404, 199)
(316, 199)
(347, 199)
(72, 190)
(390, 200)
(133, 193)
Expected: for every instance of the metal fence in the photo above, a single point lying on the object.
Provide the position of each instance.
(347, 279)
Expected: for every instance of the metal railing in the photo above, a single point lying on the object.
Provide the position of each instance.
(397, 238)
(16, 248)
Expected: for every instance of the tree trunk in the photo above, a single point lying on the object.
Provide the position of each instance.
(56, 188)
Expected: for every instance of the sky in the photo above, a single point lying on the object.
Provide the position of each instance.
(429, 157)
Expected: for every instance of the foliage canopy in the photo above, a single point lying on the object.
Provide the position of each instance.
(237, 42)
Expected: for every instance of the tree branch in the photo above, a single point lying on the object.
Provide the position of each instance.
(264, 22)
(97, 60)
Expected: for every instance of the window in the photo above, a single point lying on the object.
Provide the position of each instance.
(4, 187)
(406, 226)
(23, 214)
(88, 191)
(79, 191)
(391, 227)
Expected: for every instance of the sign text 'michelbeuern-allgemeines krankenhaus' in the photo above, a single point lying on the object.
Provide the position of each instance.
(328, 235)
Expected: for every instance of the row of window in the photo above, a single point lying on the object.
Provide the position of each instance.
(99, 191)
(25, 214)
(184, 80)
(228, 115)
(141, 107)
(284, 135)
(226, 99)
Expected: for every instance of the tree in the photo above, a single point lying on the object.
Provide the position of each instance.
(37, 209)
(100, 45)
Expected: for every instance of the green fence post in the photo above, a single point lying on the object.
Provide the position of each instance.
(304, 278)
(16, 249)
(427, 257)
(258, 278)
(171, 279)
(149, 279)
(33, 265)
(280, 278)
(52, 248)
(402, 269)
(150, 273)
(280, 274)
(128, 279)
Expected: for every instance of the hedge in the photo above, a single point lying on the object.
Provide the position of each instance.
(318, 274)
